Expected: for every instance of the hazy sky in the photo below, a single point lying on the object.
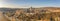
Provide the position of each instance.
(28, 3)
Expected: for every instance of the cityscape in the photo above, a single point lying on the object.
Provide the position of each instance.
(30, 14)
(29, 10)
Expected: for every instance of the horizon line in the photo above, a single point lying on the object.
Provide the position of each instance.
(32, 7)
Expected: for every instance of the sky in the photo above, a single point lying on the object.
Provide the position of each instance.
(29, 3)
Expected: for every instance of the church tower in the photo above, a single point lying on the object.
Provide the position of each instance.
(31, 9)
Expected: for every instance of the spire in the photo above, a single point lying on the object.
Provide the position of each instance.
(31, 7)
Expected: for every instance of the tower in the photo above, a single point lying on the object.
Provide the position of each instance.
(31, 9)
